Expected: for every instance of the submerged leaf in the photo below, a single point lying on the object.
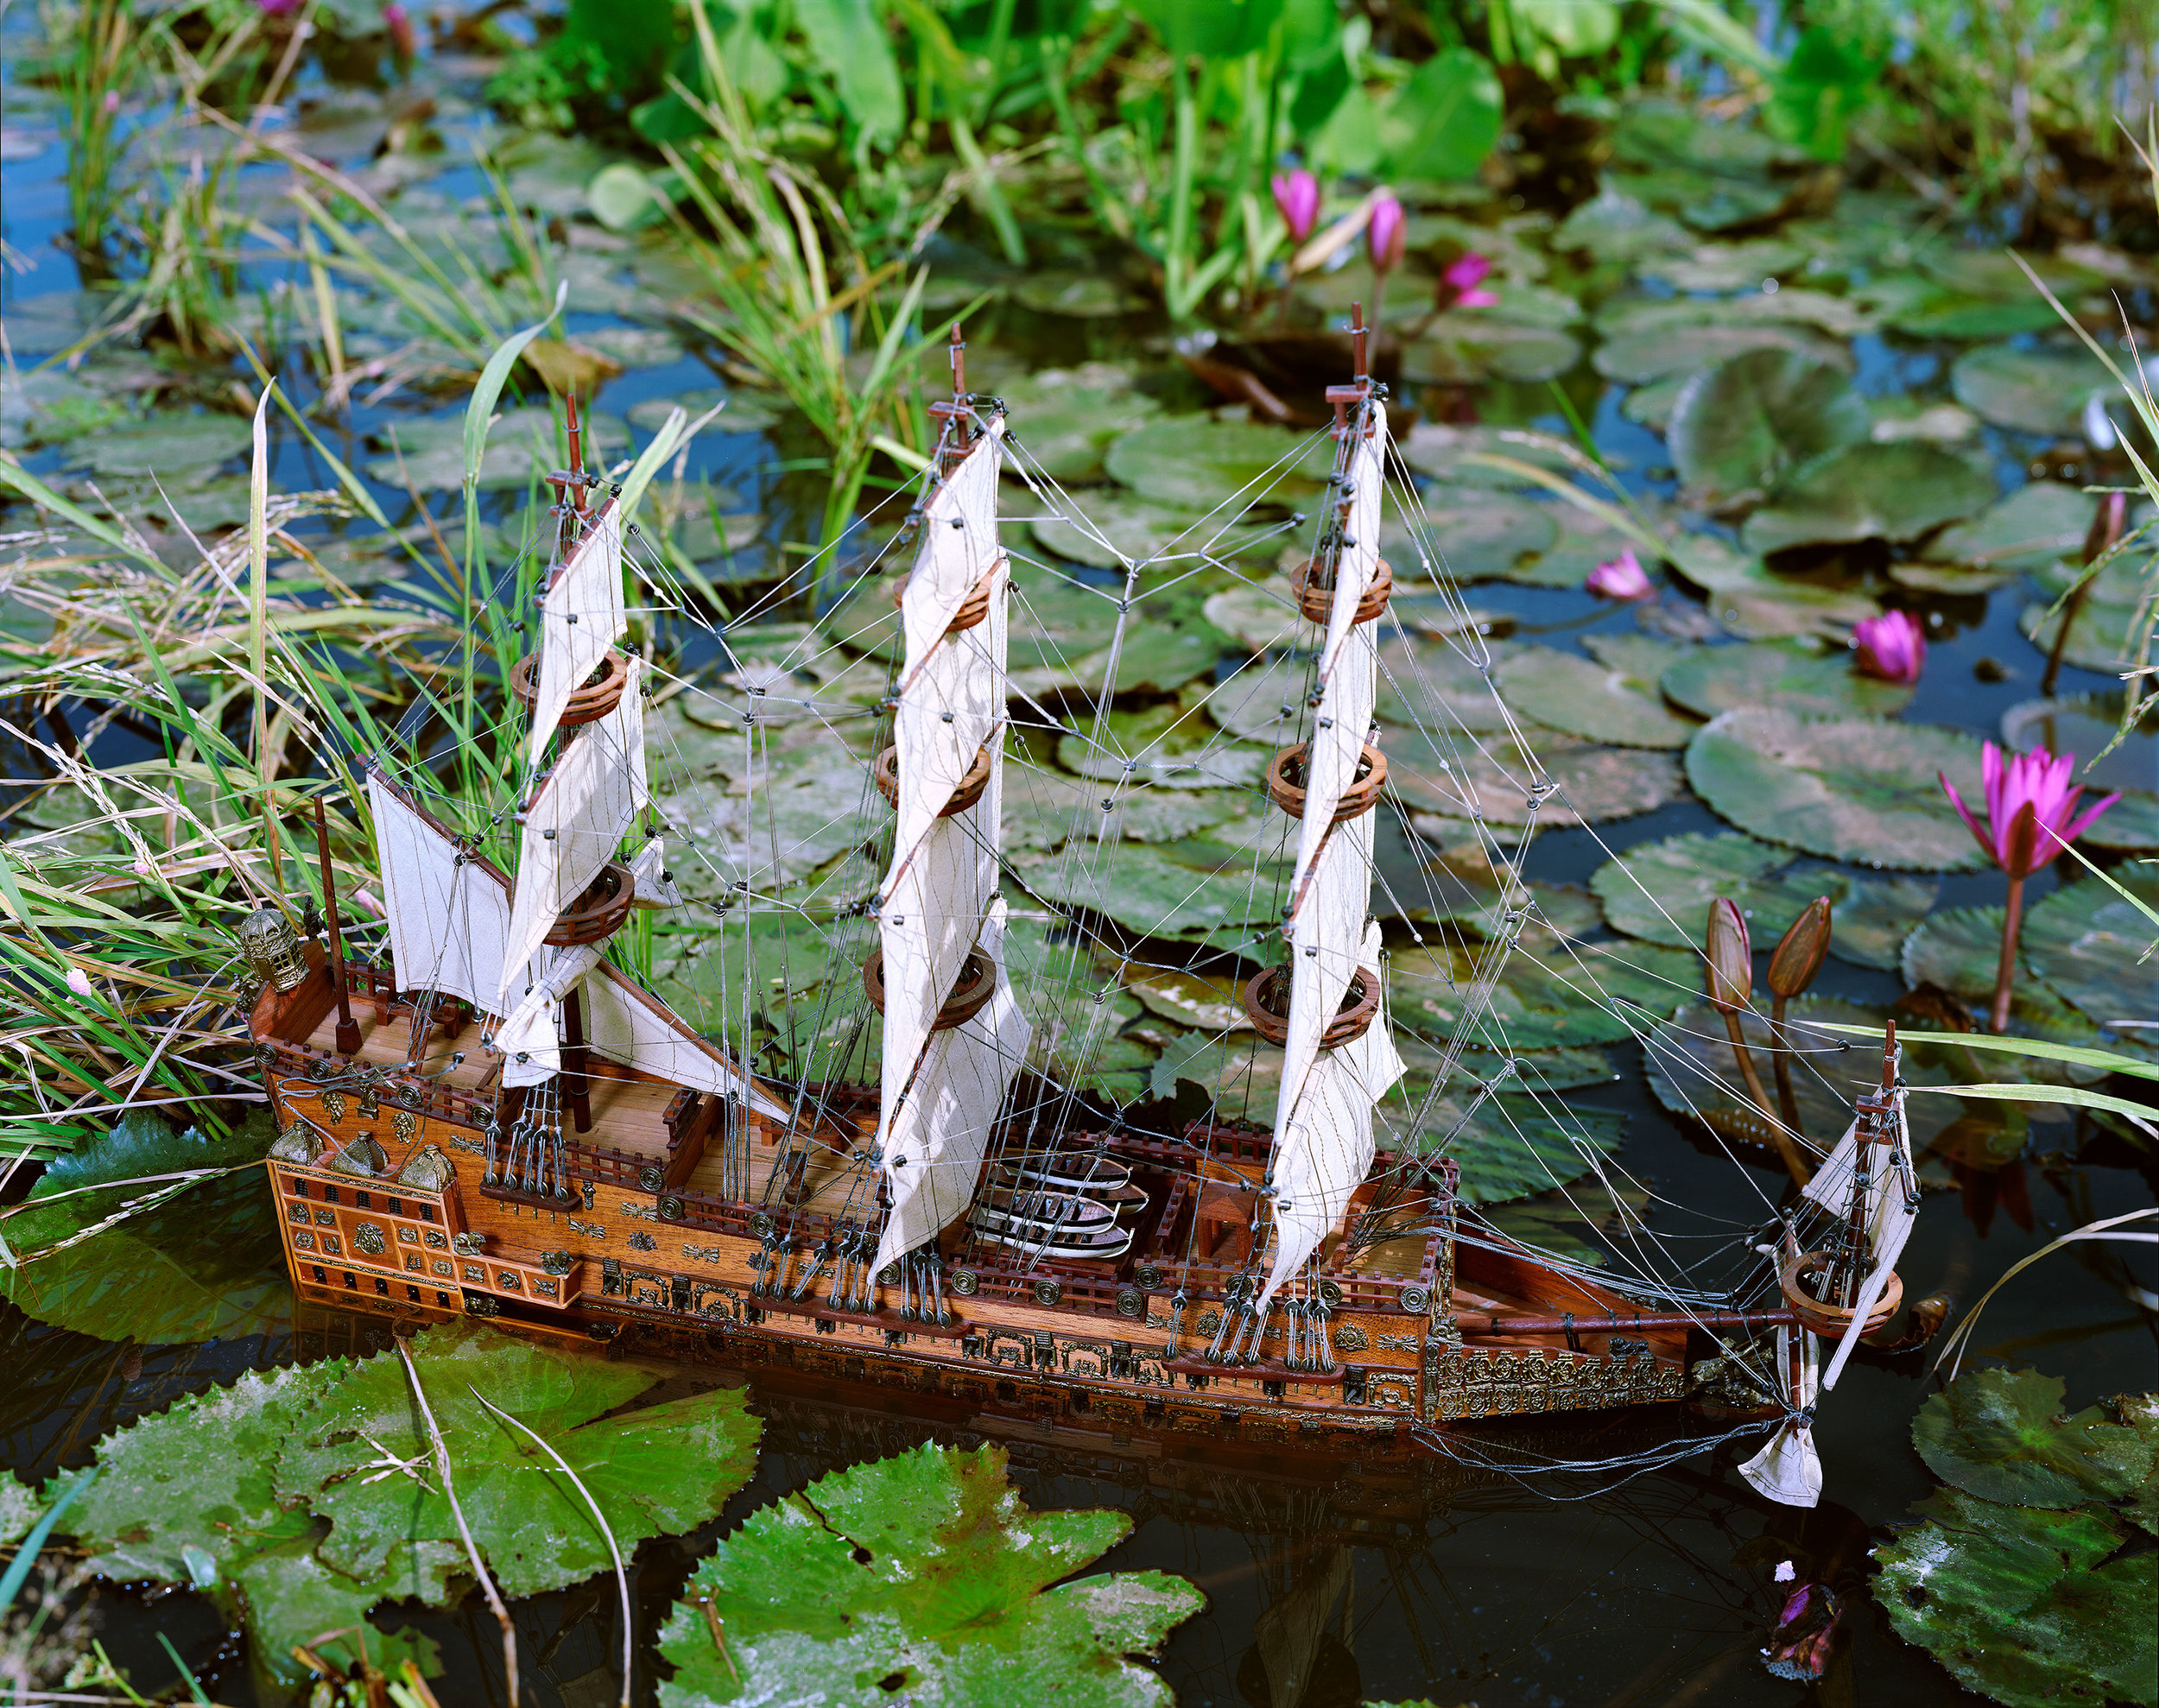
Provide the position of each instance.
(925, 1578)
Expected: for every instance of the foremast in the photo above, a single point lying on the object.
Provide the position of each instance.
(1339, 1053)
(954, 1036)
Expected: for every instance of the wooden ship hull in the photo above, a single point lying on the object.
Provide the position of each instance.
(658, 1253)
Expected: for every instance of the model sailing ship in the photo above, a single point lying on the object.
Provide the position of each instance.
(504, 1123)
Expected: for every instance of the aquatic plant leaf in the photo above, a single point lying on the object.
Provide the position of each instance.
(2002, 1435)
(521, 442)
(1079, 296)
(1168, 745)
(1201, 464)
(152, 1277)
(1710, 679)
(2014, 1601)
(1756, 603)
(1613, 700)
(1203, 1002)
(1615, 227)
(1514, 1147)
(1478, 534)
(1591, 783)
(655, 1470)
(1428, 686)
(1189, 890)
(1548, 995)
(1659, 349)
(2105, 636)
(1661, 892)
(163, 444)
(1467, 345)
(1848, 789)
(187, 1497)
(1839, 316)
(2032, 527)
(1867, 492)
(1061, 422)
(20, 1509)
(848, 39)
(1045, 809)
(2089, 944)
(1735, 428)
(924, 1578)
(1692, 1072)
(1958, 949)
(1583, 543)
(2041, 390)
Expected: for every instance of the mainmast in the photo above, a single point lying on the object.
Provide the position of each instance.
(953, 1036)
(1339, 1053)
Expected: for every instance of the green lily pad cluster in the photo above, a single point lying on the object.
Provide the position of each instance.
(2024, 1574)
(921, 1577)
(298, 1499)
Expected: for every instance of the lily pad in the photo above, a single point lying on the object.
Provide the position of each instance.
(1112, 530)
(2033, 527)
(2086, 724)
(162, 444)
(1075, 295)
(1427, 690)
(1613, 697)
(1444, 453)
(1192, 889)
(1958, 949)
(1661, 892)
(1758, 604)
(1203, 1002)
(1593, 783)
(2041, 391)
(1062, 422)
(2002, 1435)
(1860, 789)
(1467, 345)
(1549, 995)
(927, 1570)
(1636, 357)
(1583, 543)
(1736, 428)
(2104, 635)
(519, 445)
(1478, 534)
(2089, 944)
(1628, 316)
(1615, 227)
(1515, 1146)
(1726, 267)
(1710, 679)
(1694, 1073)
(1868, 491)
(151, 1277)
(1045, 809)
(1206, 466)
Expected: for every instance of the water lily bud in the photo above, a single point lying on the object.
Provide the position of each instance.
(1388, 235)
(1297, 199)
(1800, 953)
(1730, 970)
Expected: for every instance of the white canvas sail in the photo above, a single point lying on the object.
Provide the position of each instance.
(1323, 1113)
(626, 1023)
(655, 884)
(1788, 1469)
(574, 825)
(581, 615)
(448, 911)
(529, 1037)
(934, 902)
(934, 1145)
(1328, 1149)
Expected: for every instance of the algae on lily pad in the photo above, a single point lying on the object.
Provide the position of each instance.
(2017, 1580)
(1868, 491)
(1219, 467)
(1793, 677)
(923, 1578)
(1736, 429)
(1661, 892)
(1860, 789)
(1613, 697)
(2033, 390)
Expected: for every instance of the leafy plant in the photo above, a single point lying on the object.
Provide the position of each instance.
(922, 1575)
(297, 1499)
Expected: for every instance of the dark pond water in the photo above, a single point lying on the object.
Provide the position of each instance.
(1645, 1590)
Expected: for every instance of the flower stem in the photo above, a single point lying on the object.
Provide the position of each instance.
(1787, 1100)
(2005, 974)
(1783, 1139)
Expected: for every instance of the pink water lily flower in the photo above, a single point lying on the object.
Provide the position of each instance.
(1892, 647)
(1461, 284)
(1624, 578)
(1297, 199)
(2031, 817)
